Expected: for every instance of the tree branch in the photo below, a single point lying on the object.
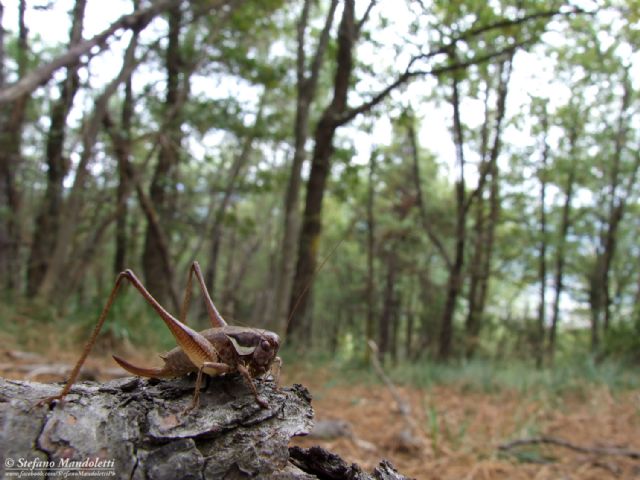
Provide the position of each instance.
(365, 17)
(408, 74)
(133, 21)
(413, 144)
(571, 446)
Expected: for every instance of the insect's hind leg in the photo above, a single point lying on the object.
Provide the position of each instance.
(126, 275)
(214, 316)
(91, 342)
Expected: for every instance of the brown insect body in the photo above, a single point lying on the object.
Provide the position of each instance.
(220, 350)
(234, 346)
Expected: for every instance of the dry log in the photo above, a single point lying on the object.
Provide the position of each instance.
(138, 429)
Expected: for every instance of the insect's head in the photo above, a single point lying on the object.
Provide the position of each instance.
(267, 349)
(258, 347)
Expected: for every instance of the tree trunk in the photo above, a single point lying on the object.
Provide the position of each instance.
(454, 284)
(565, 222)
(542, 248)
(369, 325)
(320, 168)
(306, 90)
(600, 295)
(385, 324)
(124, 188)
(48, 218)
(11, 124)
(485, 227)
(163, 181)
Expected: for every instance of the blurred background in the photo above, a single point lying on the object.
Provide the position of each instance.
(455, 180)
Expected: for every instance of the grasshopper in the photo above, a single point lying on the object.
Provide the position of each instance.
(219, 350)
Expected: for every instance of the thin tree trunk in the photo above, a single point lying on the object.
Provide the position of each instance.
(369, 326)
(385, 325)
(122, 193)
(143, 199)
(11, 126)
(473, 320)
(454, 284)
(306, 91)
(395, 327)
(48, 218)
(494, 213)
(565, 222)
(163, 181)
(542, 248)
(320, 168)
(485, 227)
(408, 341)
(420, 201)
(600, 296)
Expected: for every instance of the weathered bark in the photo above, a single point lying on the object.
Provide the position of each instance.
(140, 428)
(306, 91)
(160, 191)
(323, 464)
(48, 218)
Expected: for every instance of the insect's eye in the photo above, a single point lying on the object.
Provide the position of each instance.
(264, 345)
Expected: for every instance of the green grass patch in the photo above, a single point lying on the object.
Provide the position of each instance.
(570, 376)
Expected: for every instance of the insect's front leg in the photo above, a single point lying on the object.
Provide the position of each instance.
(247, 376)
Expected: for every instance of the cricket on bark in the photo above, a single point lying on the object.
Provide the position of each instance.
(222, 349)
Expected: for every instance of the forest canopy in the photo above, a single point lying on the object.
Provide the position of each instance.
(449, 178)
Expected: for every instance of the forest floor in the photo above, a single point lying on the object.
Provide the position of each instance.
(443, 431)
(455, 432)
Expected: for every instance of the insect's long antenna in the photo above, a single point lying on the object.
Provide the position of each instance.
(313, 277)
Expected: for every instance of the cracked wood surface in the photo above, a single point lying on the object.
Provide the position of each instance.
(140, 425)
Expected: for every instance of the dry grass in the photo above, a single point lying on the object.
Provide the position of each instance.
(460, 430)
